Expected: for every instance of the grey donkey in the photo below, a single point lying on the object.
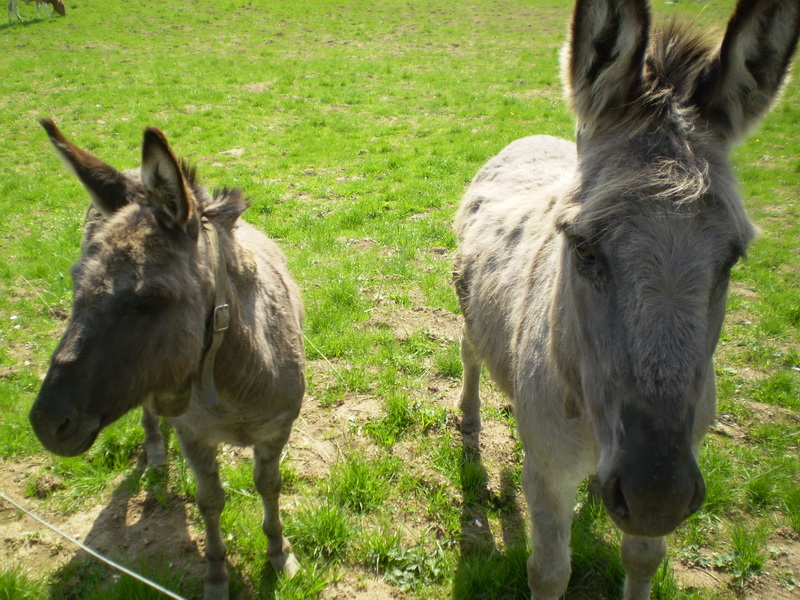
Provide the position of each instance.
(186, 310)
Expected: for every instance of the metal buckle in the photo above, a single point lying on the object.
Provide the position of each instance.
(222, 317)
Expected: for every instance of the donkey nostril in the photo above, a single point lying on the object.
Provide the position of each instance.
(64, 430)
(615, 499)
(697, 499)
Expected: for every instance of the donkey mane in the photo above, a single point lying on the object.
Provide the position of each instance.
(223, 206)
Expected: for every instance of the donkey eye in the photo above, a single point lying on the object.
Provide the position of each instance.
(584, 251)
(145, 304)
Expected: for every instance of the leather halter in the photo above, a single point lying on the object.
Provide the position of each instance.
(219, 320)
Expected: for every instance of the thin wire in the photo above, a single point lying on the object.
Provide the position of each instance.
(98, 556)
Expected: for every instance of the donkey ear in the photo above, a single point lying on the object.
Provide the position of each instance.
(162, 174)
(107, 186)
(604, 57)
(742, 81)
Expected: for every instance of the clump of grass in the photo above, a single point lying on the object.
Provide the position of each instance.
(322, 532)
(486, 575)
(402, 415)
(748, 555)
(448, 361)
(359, 484)
(15, 584)
(718, 472)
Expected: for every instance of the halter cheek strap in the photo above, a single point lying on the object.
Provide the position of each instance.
(220, 317)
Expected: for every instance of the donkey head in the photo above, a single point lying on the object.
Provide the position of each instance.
(650, 232)
(58, 5)
(141, 298)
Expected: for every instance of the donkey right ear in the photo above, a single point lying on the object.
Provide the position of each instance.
(106, 185)
(604, 58)
(162, 174)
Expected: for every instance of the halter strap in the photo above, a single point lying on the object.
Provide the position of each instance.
(220, 317)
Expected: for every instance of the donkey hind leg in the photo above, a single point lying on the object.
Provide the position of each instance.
(153, 440)
(267, 476)
(640, 558)
(550, 502)
(202, 459)
(470, 402)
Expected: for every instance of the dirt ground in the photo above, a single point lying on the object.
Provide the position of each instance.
(129, 527)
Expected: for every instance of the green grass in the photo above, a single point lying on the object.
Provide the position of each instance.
(354, 127)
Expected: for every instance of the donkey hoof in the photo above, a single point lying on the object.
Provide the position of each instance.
(215, 591)
(286, 564)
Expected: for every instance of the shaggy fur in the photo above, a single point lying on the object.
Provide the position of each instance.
(143, 296)
(593, 276)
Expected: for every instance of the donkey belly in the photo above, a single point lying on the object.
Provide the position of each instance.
(227, 423)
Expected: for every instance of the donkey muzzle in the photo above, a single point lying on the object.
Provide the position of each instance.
(61, 428)
(652, 482)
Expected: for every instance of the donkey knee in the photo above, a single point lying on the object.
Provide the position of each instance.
(641, 557)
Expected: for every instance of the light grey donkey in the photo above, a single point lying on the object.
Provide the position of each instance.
(592, 276)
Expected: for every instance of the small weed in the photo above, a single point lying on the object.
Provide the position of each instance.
(407, 568)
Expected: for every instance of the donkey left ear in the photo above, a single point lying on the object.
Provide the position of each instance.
(162, 175)
(740, 84)
(107, 186)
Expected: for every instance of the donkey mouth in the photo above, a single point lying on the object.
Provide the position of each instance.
(72, 446)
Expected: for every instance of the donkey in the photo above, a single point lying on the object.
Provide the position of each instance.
(58, 5)
(184, 309)
(593, 276)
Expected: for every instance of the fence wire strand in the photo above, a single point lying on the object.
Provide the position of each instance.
(94, 553)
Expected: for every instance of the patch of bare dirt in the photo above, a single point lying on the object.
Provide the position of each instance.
(404, 322)
(127, 528)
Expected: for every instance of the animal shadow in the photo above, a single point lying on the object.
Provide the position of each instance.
(483, 550)
(143, 528)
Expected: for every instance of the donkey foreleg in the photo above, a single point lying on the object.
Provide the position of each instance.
(641, 557)
(470, 401)
(153, 439)
(12, 10)
(210, 496)
(267, 476)
(550, 502)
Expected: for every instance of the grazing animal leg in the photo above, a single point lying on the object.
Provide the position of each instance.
(640, 558)
(550, 503)
(202, 459)
(153, 440)
(267, 476)
(12, 10)
(470, 402)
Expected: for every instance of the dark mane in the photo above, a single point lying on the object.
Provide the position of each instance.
(224, 205)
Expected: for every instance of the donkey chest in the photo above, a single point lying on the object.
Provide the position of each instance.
(237, 425)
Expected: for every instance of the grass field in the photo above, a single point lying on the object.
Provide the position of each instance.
(354, 126)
